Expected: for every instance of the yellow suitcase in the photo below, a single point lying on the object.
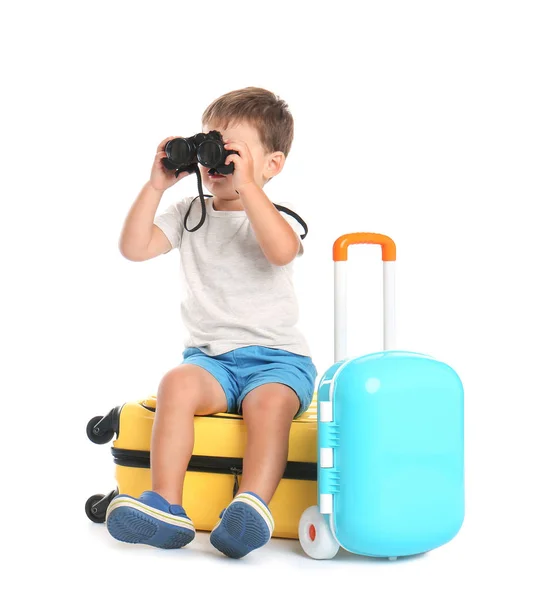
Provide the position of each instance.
(215, 467)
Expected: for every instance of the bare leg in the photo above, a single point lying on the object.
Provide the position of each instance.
(268, 412)
(185, 391)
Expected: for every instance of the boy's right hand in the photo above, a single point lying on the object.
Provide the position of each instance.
(162, 178)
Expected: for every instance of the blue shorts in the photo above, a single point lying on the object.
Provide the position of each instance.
(242, 370)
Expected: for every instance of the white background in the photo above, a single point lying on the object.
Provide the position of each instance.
(431, 122)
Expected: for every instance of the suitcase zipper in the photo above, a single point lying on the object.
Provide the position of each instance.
(304, 471)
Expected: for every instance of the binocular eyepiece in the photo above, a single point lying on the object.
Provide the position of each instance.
(206, 149)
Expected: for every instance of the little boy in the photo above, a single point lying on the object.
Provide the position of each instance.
(244, 353)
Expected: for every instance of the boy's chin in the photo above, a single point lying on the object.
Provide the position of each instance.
(224, 191)
(228, 196)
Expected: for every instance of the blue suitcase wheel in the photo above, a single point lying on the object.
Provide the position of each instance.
(316, 538)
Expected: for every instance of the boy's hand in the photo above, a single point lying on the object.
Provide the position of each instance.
(243, 164)
(162, 178)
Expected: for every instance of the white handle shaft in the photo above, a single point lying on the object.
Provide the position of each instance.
(341, 311)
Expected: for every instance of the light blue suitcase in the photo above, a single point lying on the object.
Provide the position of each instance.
(391, 441)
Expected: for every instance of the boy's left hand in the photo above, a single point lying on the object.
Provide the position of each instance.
(243, 164)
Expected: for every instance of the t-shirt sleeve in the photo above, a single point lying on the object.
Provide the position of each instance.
(296, 226)
(171, 221)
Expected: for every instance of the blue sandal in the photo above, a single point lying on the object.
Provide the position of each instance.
(245, 525)
(150, 519)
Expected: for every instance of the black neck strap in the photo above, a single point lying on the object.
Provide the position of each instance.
(204, 208)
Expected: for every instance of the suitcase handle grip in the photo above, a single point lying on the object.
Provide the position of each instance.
(340, 257)
(340, 247)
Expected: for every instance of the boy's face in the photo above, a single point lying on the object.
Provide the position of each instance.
(265, 165)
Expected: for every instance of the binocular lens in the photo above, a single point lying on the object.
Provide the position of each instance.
(180, 151)
(210, 153)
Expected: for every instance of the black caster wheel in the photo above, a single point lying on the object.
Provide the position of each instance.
(98, 435)
(96, 506)
(95, 514)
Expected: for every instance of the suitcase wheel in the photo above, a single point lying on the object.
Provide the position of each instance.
(96, 506)
(316, 538)
(98, 433)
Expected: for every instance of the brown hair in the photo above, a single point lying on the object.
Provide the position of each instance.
(260, 108)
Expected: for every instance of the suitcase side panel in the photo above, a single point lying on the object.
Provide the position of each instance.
(400, 455)
(206, 494)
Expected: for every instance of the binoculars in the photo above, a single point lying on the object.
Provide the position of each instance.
(206, 149)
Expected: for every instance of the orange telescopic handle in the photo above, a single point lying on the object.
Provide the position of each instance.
(340, 247)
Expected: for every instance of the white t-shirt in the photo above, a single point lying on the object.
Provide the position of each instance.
(234, 297)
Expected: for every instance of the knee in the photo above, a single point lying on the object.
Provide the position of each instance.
(180, 386)
(276, 403)
(263, 404)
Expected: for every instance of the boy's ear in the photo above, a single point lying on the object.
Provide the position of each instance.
(274, 164)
